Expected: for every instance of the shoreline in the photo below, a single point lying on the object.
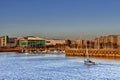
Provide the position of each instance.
(114, 53)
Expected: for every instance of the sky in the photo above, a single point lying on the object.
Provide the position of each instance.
(67, 19)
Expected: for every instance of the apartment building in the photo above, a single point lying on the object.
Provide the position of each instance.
(107, 42)
(12, 42)
(4, 41)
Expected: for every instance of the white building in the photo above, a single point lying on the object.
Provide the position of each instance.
(54, 42)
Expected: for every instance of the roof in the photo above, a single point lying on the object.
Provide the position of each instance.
(30, 38)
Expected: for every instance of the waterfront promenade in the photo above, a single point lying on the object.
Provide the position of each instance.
(93, 52)
(71, 51)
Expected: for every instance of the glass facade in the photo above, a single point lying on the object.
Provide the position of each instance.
(36, 43)
(32, 43)
(23, 43)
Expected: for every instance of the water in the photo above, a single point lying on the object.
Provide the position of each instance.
(55, 67)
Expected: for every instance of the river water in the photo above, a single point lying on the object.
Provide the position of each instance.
(55, 67)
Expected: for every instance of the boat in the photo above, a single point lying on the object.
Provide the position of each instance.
(26, 53)
(87, 59)
(45, 51)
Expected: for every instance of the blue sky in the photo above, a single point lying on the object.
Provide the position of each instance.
(71, 19)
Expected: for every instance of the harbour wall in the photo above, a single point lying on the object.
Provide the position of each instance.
(9, 49)
(93, 52)
(18, 49)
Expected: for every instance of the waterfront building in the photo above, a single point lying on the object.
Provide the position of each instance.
(96, 45)
(78, 44)
(103, 42)
(23, 42)
(90, 44)
(0, 41)
(55, 42)
(4, 41)
(31, 41)
(107, 42)
(36, 41)
(112, 41)
(118, 41)
(12, 42)
(73, 44)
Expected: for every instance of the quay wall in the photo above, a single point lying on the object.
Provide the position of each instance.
(93, 52)
(17, 49)
(9, 49)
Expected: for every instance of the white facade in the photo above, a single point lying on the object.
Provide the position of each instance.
(35, 38)
(30, 38)
(54, 42)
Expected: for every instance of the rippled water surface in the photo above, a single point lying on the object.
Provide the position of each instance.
(55, 67)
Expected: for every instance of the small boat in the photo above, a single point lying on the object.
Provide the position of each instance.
(89, 62)
(87, 59)
(45, 51)
(26, 53)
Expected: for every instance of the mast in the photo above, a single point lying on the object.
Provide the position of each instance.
(87, 55)
(98, 43)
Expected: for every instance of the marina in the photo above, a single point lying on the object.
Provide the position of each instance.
(60, 40)
(56, 67)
